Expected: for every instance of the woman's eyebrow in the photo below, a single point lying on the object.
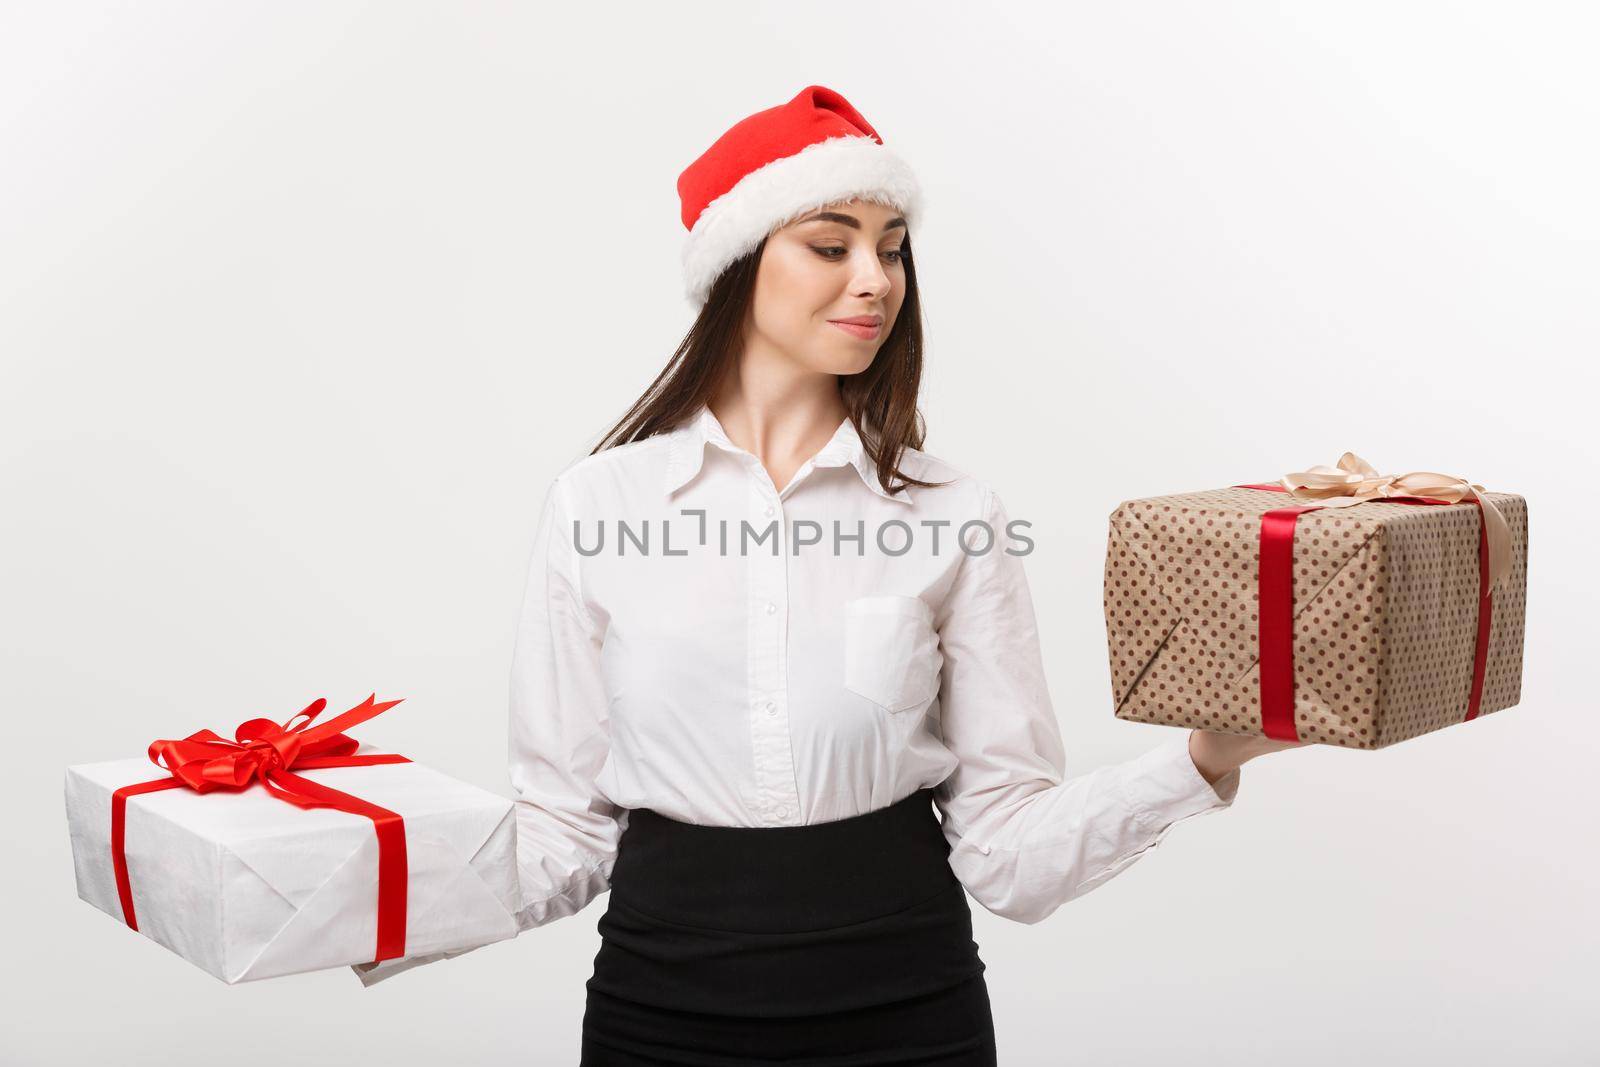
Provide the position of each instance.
(849, 220)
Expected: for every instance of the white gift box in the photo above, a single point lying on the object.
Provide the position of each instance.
(248, 886)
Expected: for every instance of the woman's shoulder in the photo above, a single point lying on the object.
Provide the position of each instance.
(957, 485)
(623, 470)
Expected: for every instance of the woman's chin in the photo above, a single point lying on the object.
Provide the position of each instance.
(852, 362)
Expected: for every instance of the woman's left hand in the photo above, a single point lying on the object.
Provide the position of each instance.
(1216, 755)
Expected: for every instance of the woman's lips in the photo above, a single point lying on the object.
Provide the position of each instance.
(865, 333)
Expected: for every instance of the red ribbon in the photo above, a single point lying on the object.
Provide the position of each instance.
(1275, 612)
(264, 751)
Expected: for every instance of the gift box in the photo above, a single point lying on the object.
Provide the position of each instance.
(292, 849)
(1334, 606)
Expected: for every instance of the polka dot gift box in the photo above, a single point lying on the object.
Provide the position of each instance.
(1336, 606)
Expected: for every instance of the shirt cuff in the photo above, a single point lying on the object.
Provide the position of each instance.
(1166, 786)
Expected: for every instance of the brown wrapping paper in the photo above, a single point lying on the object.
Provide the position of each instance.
(1386, 615)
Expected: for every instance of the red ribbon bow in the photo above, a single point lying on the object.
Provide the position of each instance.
(264, 751)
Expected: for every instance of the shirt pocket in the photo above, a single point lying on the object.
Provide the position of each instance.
(891, 652)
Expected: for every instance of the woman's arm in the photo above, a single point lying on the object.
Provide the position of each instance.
(1024, 837)
(567, 832)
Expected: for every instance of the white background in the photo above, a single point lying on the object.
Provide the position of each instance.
(301, 307)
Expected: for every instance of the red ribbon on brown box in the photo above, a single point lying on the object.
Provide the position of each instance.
(1354, 482)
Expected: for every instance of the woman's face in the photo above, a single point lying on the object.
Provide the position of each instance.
(841, 261)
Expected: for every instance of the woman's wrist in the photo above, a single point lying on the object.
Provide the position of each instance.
(1217, 755)
(1208, 762)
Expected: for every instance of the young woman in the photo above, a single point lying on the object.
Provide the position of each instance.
(767, 637)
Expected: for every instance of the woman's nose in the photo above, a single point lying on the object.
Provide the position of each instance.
(870, 278)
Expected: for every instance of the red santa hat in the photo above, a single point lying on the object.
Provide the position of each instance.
(776, 165)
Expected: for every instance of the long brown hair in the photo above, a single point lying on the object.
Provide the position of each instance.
(881, 400)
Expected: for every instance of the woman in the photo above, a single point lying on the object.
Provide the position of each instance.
(764, 642)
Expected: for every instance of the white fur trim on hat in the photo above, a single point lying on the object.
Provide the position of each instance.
(839, 168)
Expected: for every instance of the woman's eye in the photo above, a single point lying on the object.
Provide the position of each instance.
(828, 253)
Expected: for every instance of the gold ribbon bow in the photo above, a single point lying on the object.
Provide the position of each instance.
(1355, 481)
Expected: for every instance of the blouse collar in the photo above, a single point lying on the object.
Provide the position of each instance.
(686, 453)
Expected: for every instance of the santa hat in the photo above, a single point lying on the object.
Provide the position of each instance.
(774, 166)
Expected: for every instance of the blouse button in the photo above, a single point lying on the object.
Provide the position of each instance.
(768, 511)
(771, 607)
(783, 813)
(772, 709)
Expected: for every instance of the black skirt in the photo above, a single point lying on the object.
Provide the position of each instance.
(838, 944)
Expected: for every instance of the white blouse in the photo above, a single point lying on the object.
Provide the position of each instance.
(697, 641)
